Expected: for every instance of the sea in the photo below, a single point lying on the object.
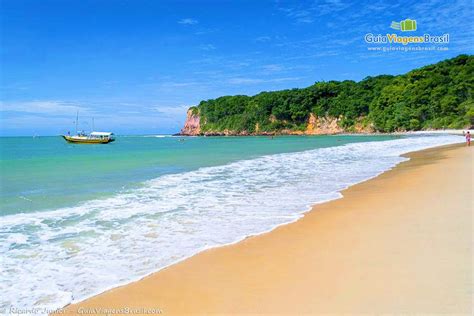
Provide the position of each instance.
(78, 219)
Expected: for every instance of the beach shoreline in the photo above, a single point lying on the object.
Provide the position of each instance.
(145, 293)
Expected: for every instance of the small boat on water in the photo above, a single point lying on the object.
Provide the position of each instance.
(92, 138)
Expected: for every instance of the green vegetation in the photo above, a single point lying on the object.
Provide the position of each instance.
(432, 97)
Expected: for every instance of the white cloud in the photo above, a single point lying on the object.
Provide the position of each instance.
(299, 15)
(179, 84)
(308, 14)
(50, 107)
(29, 124)
(203, 31)
(207, 47)
(56, 117)
(241, 80)
(245, 80)
(330, 6)
(188, 21)
(263, 39)
(272, 68)
(170, 111)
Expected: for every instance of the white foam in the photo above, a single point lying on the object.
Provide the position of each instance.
(49, 259)
(158, 136)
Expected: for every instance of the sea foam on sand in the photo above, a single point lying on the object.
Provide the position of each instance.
(52, 258)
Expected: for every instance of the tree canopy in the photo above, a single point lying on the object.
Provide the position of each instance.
(432, 97)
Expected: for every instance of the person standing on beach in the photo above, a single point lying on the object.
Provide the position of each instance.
(468, 138)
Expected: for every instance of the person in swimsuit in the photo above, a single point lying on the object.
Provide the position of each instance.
(468, 138)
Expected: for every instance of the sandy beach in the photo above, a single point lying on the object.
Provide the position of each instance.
(400, 243)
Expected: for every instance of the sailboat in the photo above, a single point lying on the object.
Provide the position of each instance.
(92, 138)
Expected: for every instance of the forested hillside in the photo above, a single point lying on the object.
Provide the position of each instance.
(433, 97)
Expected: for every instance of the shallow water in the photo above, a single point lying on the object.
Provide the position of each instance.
(79, 219)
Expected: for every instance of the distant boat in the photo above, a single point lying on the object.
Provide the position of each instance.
(92, 138)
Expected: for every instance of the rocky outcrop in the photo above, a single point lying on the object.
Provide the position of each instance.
(360, 128)
(315, 126)
(192, 126)
(323, 125)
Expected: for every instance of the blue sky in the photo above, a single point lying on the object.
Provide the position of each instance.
(136, 65)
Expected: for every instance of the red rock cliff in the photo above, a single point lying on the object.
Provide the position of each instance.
(192, 126)
(323, 126)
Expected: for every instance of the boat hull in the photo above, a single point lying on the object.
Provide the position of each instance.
(85, 140)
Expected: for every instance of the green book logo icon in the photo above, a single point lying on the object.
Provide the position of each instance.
(404, 26)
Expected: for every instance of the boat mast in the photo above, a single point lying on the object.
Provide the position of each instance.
(77, 118)
(93, 128)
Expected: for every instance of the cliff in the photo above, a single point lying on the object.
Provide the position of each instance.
(192, 126)
(315, 126)
(322, 125)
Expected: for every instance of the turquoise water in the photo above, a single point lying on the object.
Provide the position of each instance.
(46, 172)
(77, 220)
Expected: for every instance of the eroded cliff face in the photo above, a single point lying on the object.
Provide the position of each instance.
(192, 126)
(360, 128)
(315, 126)
(323, 125)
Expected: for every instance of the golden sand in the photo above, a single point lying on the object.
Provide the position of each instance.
(400, 243)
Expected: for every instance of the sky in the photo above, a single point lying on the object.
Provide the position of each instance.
(136, 66)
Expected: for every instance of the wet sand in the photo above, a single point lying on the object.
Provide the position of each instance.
(401, 243)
